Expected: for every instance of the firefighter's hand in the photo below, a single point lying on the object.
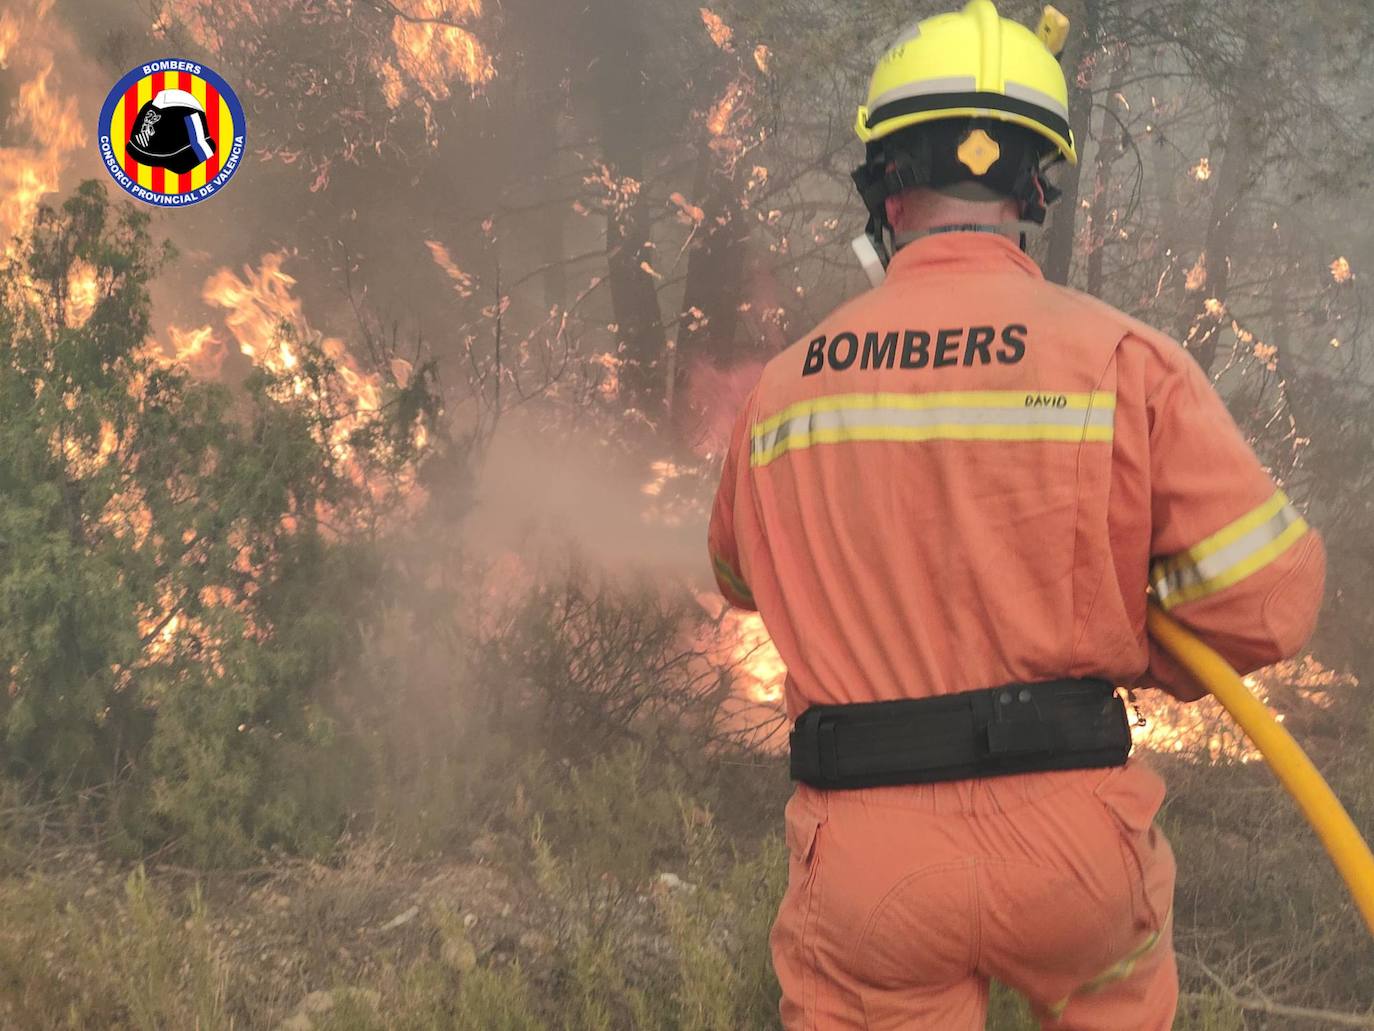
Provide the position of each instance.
(1167, 675)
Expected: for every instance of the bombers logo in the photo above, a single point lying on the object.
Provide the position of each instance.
(172, 133)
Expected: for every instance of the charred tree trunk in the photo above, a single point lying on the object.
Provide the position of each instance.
(1200, 322)
(552, 222)
(1109, 149)
(617, 45)
(715, 268)
(717, 281)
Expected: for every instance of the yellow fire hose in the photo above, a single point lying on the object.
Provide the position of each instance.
(1285, 757)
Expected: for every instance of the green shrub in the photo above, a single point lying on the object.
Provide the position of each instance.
(180, 577)
(139, 966)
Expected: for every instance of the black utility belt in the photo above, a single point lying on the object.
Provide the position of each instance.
(1017, 728)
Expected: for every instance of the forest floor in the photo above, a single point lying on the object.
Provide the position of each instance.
(375, 939)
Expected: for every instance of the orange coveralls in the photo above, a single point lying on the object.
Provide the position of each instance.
(965, 478)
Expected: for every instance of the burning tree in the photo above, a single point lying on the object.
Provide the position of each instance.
(180, 568)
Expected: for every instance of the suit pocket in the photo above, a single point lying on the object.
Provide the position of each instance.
(802, 822)
(1132, 795)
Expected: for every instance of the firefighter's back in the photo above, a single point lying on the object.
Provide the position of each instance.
(932, 470)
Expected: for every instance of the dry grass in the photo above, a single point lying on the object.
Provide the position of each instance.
(527, 934)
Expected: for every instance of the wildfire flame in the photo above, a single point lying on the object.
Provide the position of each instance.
(9, 35)
(722, 113)
(85, 461)
(199, 350)
(721, 34)
(760, 668)
(1197, 275)
(82, 293)
(463, 283)
(259, 306)
(433, 52)
(739, 643)
(42, 116)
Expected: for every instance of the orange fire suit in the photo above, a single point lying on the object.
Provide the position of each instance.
(965, 478)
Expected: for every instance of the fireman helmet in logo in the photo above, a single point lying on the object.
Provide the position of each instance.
(172, 133)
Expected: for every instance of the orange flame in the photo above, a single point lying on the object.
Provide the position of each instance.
(761, 669)
(463, 284)
(41, 115)
(259, 305)
(9, 36)
(198, 350)
(84, 460)
(82, 293)
(721, 34)
(433, 52)
(718, 121)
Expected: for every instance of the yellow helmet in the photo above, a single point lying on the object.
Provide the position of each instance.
(973, 64)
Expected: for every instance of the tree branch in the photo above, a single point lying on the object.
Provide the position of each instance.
(1277, 1009)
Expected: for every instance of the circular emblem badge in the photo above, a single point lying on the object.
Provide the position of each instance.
(172, 133)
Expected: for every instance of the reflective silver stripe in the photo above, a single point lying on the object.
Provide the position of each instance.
(1034, 96)
(974, 415)
(1232, 553)
(923, 88)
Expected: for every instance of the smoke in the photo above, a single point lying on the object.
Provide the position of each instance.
(543, 493)
(712, 399)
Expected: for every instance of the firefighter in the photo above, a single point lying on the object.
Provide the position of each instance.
(949, 502)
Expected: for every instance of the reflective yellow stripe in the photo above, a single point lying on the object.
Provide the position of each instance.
(1229, 555)
(998, 415)
(732, 580)
(1118, 971)
(949, 399)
